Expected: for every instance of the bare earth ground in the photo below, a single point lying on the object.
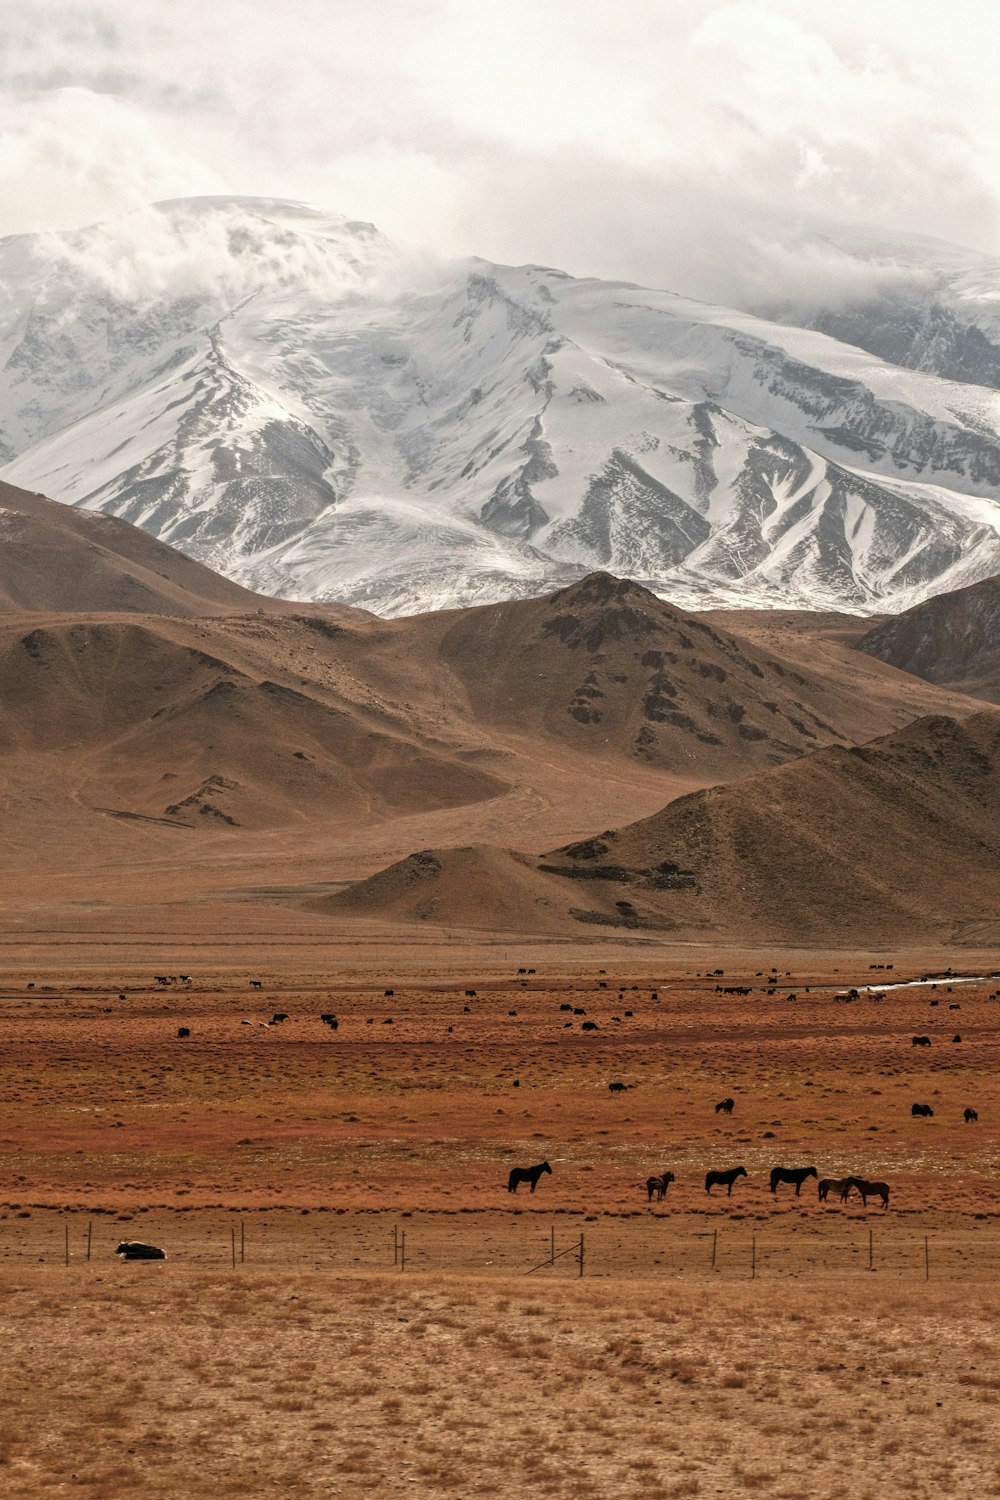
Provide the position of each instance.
(316, 1366)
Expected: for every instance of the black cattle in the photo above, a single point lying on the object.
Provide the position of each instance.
(256, 984)
(970, 1117)
(278, 1017)
(725, 1106)
(920, 1041)
(183, 1031)
(922, 1111)
(136, 1250)
(565, 1005)
(589, 1026)
(387, 992)
(617, 1088)
(469, 994)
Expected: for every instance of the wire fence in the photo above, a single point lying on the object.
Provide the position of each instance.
(499, 1246)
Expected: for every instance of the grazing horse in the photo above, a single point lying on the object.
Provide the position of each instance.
(841, 1185)
(728, 1178)
(797, 1175)
(922, 1111)
(526, 1174)
(870, 1190)
(970, 1116)
(658, 1185)
(725, 1107)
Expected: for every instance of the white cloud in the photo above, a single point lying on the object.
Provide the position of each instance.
(673, 140)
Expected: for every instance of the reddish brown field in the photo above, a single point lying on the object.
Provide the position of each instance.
(813, 1358)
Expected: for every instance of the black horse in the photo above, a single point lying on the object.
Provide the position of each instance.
(725, 1106)
(727, 1178)
(797, 1175)
(526, 1174)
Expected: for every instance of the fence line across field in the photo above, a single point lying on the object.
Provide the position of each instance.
(612, 1250)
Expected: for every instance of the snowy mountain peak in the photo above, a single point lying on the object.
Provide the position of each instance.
(284, 395)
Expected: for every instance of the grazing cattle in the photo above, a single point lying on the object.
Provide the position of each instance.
(387, 992)
(724, 1179)
(136, 1250)
(797, 1175)
(922, 1111)
(725, 1106)
(589, 1026)
(162, 979)
(870, 1190)
(565, 1005)
(617, 1088)
(184, 978)
(956, 1038)
(278, 1017)
(526, 1174)
(470, 994)
(920, 1041)
(183, 1031)
(658, 1185)
(256, 984)
(826, 1185)
(970, 1117)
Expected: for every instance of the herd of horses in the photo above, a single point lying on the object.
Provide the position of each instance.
(657, 1184)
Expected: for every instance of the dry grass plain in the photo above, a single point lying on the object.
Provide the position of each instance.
(317, 1367)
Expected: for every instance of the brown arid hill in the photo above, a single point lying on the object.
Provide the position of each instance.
(57, 557)
(605, 668)
(205, 722)
(953, 640)
(894, 841)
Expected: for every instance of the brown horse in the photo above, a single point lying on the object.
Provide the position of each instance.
(841, 1185)
(658, 1185)
(870, 1190)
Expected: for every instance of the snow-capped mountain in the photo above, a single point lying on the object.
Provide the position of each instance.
(284, 396)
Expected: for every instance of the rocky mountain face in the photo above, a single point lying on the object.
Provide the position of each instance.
(953, 639)
(283, 396)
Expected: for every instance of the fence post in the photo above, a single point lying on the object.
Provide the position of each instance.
(753, 1257)
(871, 1249)
(66, 1233)
(715, 1244)
(552, 1246)
(90, 1233)
(232, 1237)
(395, 1244)
(402, 1251)
(927, 1259)
(243, 1243)
(581, 1252)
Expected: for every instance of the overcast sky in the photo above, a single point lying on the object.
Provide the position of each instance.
(676, 142)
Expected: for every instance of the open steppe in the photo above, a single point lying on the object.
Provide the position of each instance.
(315, 1366)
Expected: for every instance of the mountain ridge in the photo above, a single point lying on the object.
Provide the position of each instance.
(300, 406)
